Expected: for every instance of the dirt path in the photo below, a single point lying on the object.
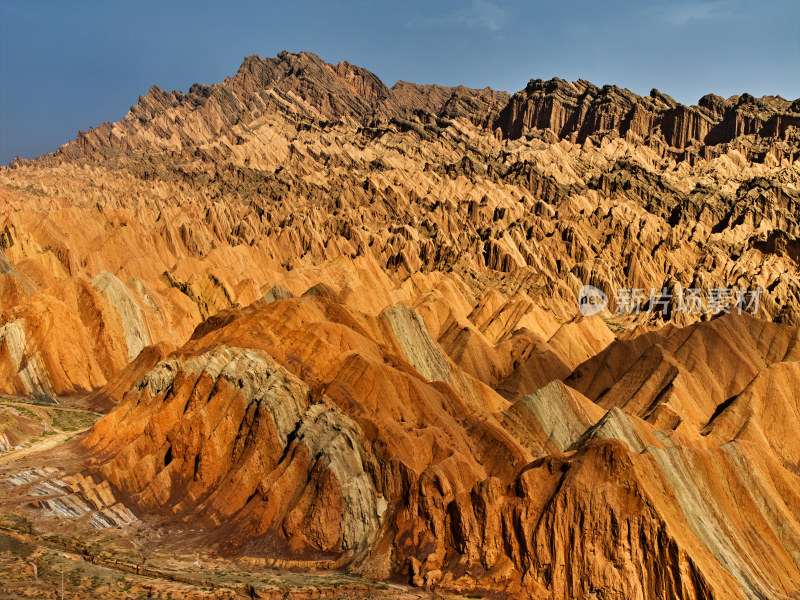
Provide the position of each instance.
(47, 416)
(44, 444)
(41, 409)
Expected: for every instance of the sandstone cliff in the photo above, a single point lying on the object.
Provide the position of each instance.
(580, 110)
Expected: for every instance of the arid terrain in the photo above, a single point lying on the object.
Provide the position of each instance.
(299, 334)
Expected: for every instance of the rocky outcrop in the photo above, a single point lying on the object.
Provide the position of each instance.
(580, 110)
(259, 436)
(533, 224)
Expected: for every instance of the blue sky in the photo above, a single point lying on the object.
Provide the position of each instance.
(66, 66)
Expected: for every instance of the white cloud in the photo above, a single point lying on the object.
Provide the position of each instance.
(479, 14)
(682, 13)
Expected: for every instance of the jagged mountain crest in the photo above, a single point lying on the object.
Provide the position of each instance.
(306, 85)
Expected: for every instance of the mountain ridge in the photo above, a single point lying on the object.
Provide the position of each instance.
(576, 111)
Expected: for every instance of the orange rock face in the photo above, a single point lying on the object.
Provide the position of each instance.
(311, 432)
(335, 325)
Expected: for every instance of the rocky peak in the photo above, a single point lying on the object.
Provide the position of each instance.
(662, 98)
(716, 104)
